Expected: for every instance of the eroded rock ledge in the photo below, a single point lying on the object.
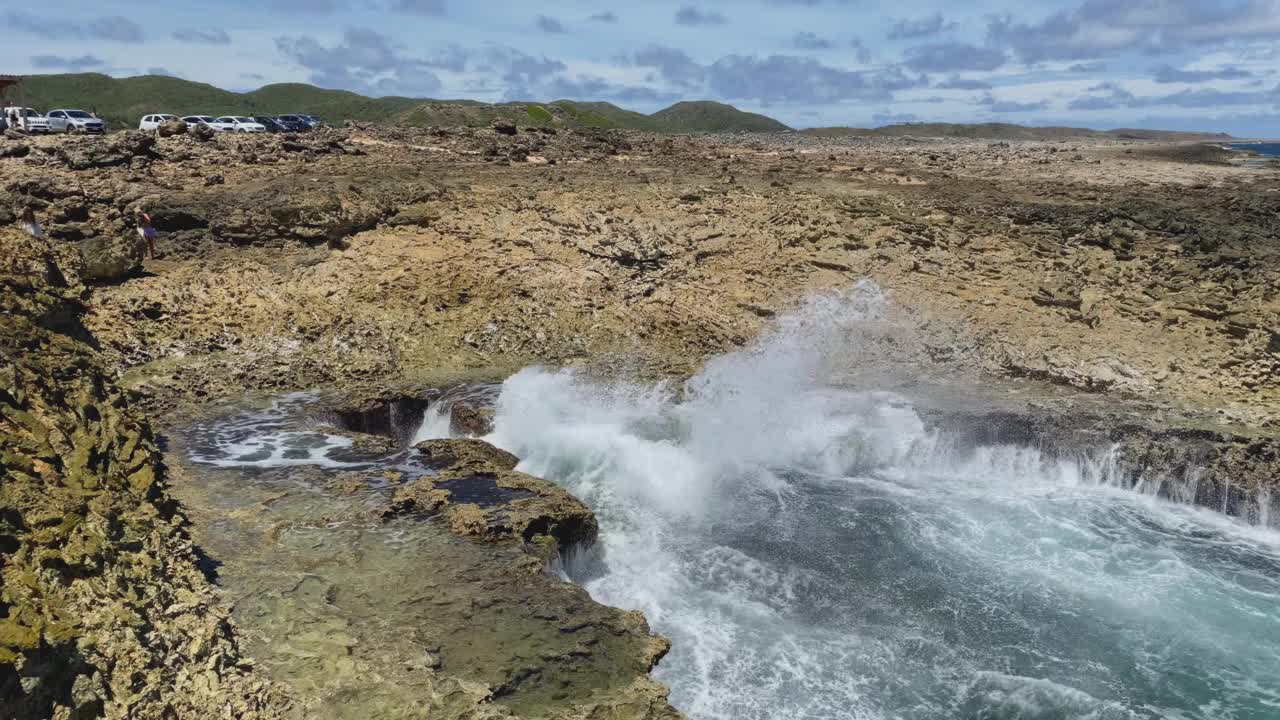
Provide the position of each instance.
(1229, 470)
(481, 495)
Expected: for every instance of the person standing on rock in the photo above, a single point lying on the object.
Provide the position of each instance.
(29, 224)
(147, 232)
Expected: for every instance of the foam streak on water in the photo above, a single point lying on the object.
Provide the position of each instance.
(815, 553)
(269, 438)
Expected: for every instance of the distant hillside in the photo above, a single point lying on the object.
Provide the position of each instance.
(123, 101)
(707, 116)
(608, 115)
(1009, 131)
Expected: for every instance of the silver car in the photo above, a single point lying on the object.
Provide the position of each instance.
(69, 121)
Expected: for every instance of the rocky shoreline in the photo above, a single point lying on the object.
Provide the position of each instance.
(108, 608)
(1120, 294)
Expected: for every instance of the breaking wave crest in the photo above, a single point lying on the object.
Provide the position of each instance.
(815, 552)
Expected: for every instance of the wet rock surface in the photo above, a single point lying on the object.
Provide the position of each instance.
(1228, 470)
(479, 492)
(437, 586)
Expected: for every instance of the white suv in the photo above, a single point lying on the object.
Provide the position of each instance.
(151, 122)
(26, 119)
(232, 123)
(200, 120)
(69, 121)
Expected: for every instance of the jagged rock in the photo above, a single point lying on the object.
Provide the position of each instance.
(503, 504)
(173, 128)
(41, 188)
(421, 215)
(112, 258)
(201, 132)
(14, 150)
(468, 419)
(1054, 296)
(114, 150)
(92, 548)
(300, 209)
(1092, 302)
(503, 126)
(467, 456)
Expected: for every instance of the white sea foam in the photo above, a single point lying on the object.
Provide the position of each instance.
(437, 421)
(815, 553)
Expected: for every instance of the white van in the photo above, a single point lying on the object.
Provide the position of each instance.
(151, 122)
(25, 118)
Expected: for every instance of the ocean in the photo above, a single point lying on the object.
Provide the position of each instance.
(815, 553)
(812, 549)
(1268, 149)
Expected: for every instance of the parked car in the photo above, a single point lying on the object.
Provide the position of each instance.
(292, 123)
(237, 123)
(27, 119)
(269, 123)
(295, 123)
(313, 121)
(151, 122)
(69, 121)
(199, 120)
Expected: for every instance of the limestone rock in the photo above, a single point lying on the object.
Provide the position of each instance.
(172, 128)
(467, 456)
(201, 132)
(114, 150)
(109, 259)
(472, 420)
(499, 502)
(14, 150)
(420, 215)
(92, 548)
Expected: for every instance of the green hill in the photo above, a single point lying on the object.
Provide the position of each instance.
(707, 116)
(123, 101)
(607, 115)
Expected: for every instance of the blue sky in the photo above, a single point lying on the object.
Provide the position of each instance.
(1179, 64)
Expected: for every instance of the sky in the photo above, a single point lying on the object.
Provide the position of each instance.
(1174, 64)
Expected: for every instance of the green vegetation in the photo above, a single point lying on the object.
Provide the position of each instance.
(539, 115)
(606, 115)
(123, 101)
(707, 116)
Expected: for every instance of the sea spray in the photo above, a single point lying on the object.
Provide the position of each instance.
(437, 421)
(814, 553)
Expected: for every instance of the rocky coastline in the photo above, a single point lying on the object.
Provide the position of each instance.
(1105, 294)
